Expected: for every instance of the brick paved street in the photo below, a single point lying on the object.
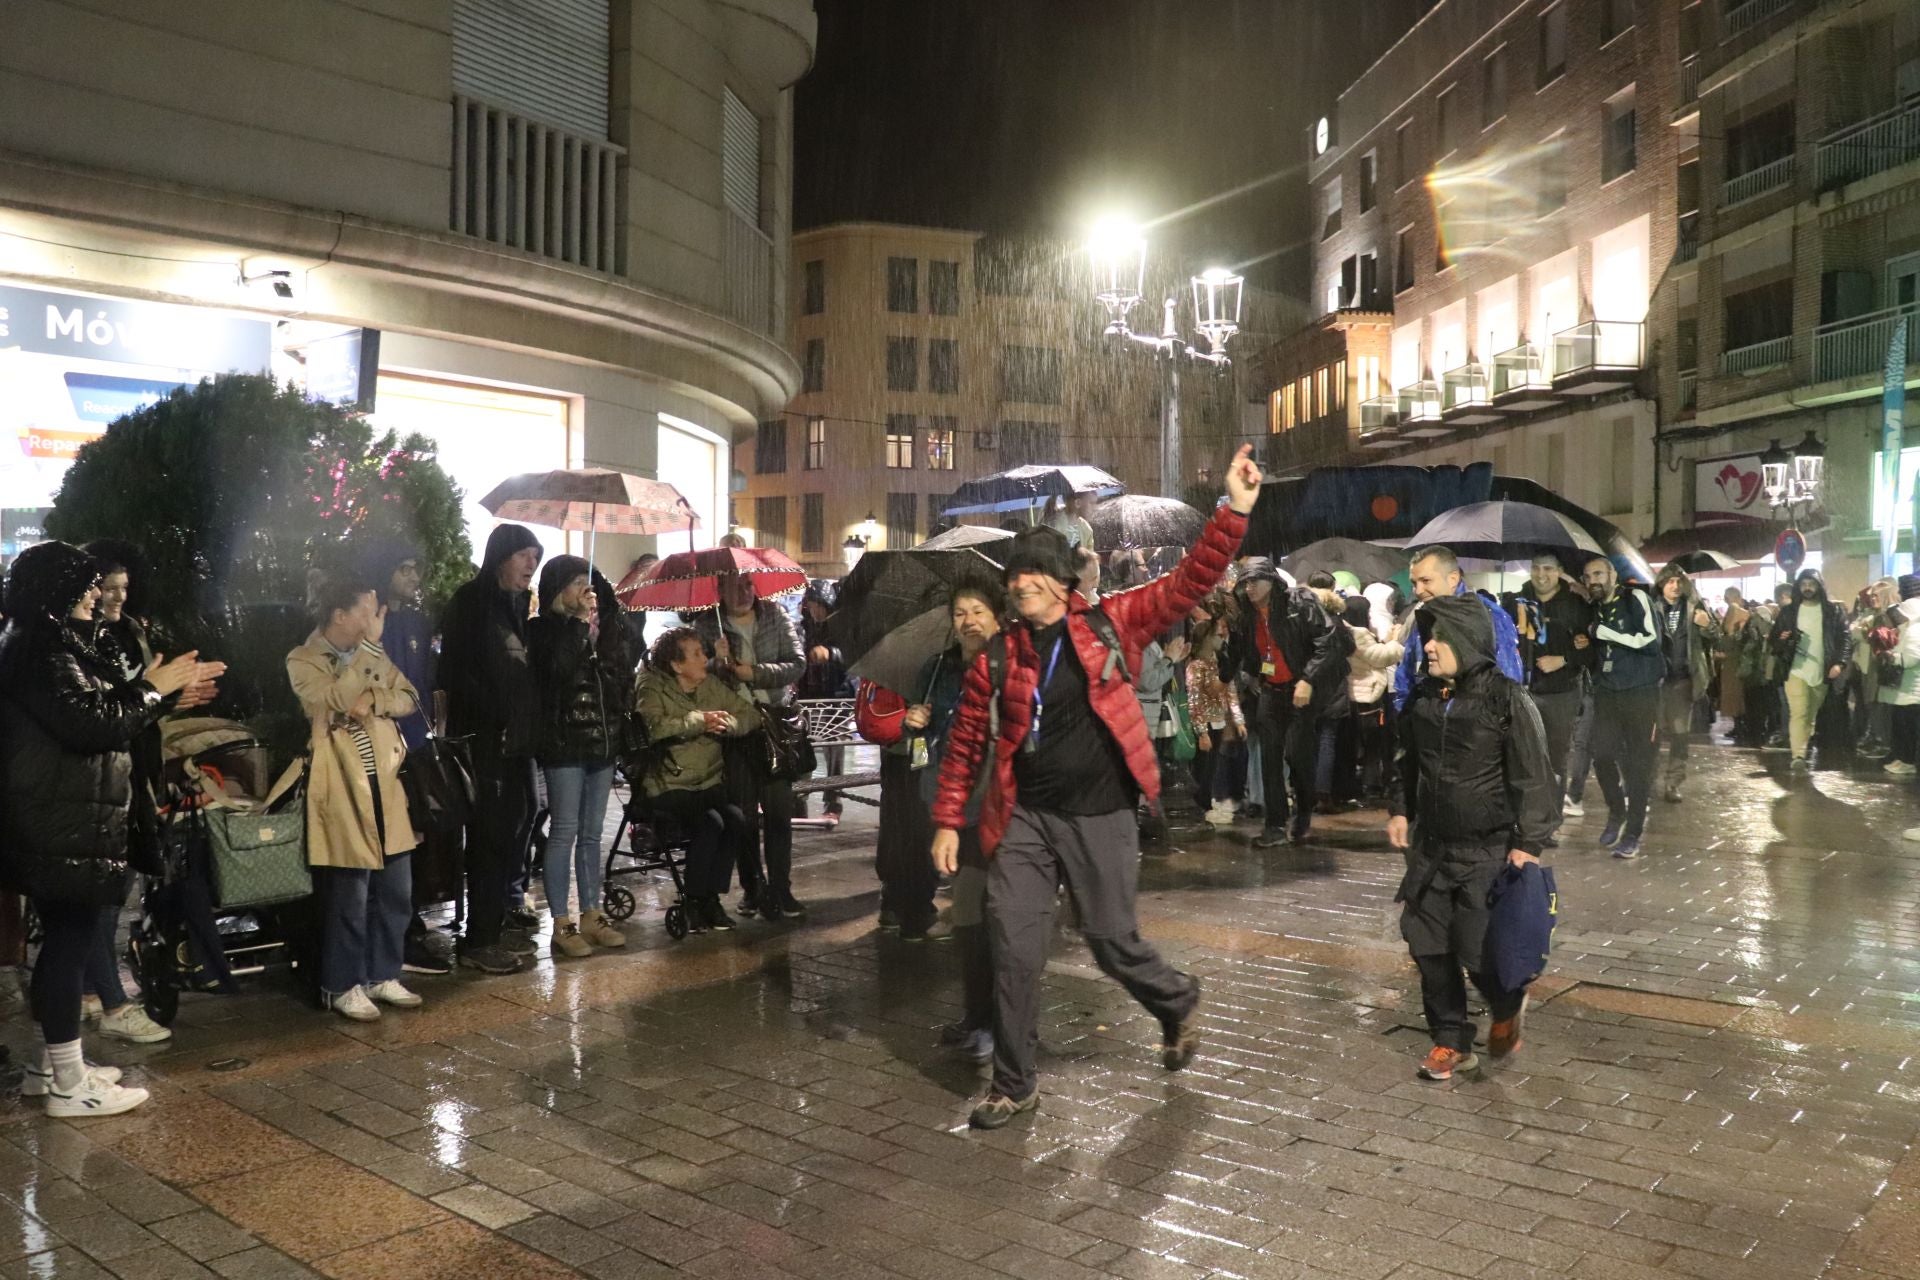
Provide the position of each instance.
(1719, 1080)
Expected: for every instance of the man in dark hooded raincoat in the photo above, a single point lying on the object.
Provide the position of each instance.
(1477, 792)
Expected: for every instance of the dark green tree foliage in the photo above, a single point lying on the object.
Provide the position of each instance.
(235, 489)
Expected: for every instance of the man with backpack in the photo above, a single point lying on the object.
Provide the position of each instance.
(1049, 722)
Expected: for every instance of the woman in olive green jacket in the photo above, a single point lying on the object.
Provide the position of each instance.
(686, 714)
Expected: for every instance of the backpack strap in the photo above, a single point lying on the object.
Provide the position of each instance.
(1103, 627)
(997, 677)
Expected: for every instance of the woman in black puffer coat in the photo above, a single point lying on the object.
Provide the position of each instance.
(68, 721)
(577, 648)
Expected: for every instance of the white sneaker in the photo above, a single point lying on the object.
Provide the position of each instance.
(130, 1023)
(1221, 815)
(354, 1004)
(1573, 809)
(37, 1082)
(1912, 834)
(391, 992)
(93, 1096)
(1899, 769)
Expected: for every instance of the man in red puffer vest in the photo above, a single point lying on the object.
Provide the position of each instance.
(1069, 763)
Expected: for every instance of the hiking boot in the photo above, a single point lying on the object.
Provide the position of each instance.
(130, 1023)
(353, 1003)
(93, 1096)
(998, 1109)
(1271, 838)
(394, 993)
(37, 1082)
(595, 928)
(1180, 1042)
(567, 940)
(715, 914)
(489, 959)
(1441, 1062)
(519, 942)
(1504, 1037)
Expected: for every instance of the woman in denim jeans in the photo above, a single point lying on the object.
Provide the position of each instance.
(578, 650)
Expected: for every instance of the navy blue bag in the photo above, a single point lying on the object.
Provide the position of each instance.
(1523, 905)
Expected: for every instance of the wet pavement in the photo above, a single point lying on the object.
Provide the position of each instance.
(1718, 1080)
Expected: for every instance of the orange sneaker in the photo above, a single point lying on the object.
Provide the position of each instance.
(1504, 1037)
(1441, 1062)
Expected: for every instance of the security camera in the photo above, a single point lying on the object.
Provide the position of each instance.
(280, 281)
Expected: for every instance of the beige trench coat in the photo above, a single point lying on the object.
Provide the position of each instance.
(340, 825)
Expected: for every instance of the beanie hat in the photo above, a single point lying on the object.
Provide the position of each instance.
(1909, 586)
(558, 574)
(1041, 550)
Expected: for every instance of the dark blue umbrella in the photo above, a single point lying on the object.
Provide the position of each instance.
(1506, 531)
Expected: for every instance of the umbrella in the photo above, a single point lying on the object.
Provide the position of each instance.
(1507, 531)
(896, 661)
(1704, 562)
(978, 536)
(690, 580)
(595, 500)
(1023, 487)
(1136, 520)
(888, 589)
(1368, 561)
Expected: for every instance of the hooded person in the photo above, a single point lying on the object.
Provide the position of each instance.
(1809, 643)
(1476, 793)
(493, 699)
(1688, 632)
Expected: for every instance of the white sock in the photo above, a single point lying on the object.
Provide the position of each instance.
(69, 1068)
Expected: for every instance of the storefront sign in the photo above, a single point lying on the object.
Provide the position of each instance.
(121, 332)
(1728, 488)
(344, 369)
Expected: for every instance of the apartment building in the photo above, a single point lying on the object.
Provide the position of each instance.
(1800, 253)
(1496, 204)
(931, 357)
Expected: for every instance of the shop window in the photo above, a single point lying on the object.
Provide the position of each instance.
(943, 366)
(816, 444)
(813, 287)
(903, 285)
(813, 523)
(770, 523)
(903, 364)
(900, 441)
(943, 288)
(770, 447)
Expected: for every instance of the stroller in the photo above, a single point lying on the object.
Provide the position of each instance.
(184, 940)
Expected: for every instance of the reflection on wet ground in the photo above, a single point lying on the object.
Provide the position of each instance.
(1716, 1082)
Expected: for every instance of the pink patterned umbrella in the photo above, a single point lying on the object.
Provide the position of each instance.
(690, 580)
(595, 500)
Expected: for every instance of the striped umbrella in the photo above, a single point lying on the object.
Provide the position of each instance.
(690, 580)
(594, 500)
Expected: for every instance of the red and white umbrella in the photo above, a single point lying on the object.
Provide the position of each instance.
(594, 501)
(690, 580)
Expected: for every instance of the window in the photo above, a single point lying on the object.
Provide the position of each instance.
(1369, 178)
(1443, 214)
(1369, 281)
(1331, 223)
(1403, 168)
(813, 523)
(1349, 281)
(1617, 16)
(1618, 151)
(1403, 261)
(1022, 443)
(770, 447)
(1337, 388)
(943, 288)
(813, 288)
(1493, 88)
(1334, 298)
(1553, 43)
(1322, 401)
(903, 364)
(814, 366)
(1446, 110)
(739, 153)
(903, 285)
(940, 433)
(770, 523)
(1367, 377)
(1030, 375)
(903, 519)
(1759, 314)
(816, 444)
(943, 366)
(1551, 182)
(900, 441)
(1279, 415)
(1760, 140)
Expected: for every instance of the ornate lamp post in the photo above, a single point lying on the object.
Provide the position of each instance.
(1119, 256)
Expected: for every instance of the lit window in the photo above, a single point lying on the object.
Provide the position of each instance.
(900, 441)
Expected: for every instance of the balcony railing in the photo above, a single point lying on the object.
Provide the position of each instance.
(1758, 355)
(1522, 369)
(1689, 389)
(1597, 345)
(1873, 146)
(1420, 403)
(1379, 416)
(1850, 348)
(748, 274)
(1465, 387)
(530, 186)
(1755, 183)
(1688, 247)
(1689, 78)
(1744, 15)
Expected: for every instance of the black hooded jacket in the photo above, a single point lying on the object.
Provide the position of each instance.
(1301, 630)
(1474, 769)
(586, 688)
(1785, 636)
(68, 722)
(484, 668)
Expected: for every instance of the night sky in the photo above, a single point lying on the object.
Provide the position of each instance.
(1032, 116)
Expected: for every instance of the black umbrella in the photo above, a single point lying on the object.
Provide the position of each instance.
(889, 589)
(980, 537)
(896, 661)
(1507, 531)
(1139, 520)
(1020, 488)
(1703, 562)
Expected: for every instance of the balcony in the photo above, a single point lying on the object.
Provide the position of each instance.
(1689, 79)
(1744, 15)
(530, 186)
(1380, 422)
(1521, 382)
(1600, 355)
(747, 275)
(1466, 395)
(1875, 145)
(1757, 356)
(1421, 410)
(1857, 347)
(1687, 249)
(1754, 183)
(1689, 390)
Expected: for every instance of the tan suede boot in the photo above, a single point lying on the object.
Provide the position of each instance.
(595, 929)
(568, 940)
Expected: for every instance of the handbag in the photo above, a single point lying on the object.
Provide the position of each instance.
(1186, 744)
(438, 780)
(258, 852)
(788, 752)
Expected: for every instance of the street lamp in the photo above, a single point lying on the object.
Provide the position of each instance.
(1809, 466)
(859, 540)
(1796, 478)
(1774, 465)
(1119, 253)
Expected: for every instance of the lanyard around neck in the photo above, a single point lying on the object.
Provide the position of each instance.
(1039, 690)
